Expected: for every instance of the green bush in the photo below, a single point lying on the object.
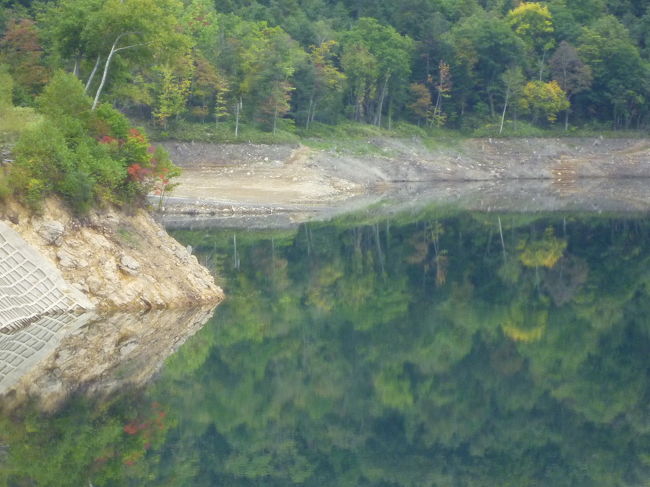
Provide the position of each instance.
(43, 152)
(4, 186)
(87, 157)
(6, 88)
(63, 97)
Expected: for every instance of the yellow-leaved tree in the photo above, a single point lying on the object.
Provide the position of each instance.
(543, 100)
(533, 23)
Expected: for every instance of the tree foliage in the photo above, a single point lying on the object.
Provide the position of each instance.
(543, 100)
(292, 62)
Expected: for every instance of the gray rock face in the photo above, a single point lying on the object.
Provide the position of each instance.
(129, 265)
(182, 254)
(69, 261)
(52, 232)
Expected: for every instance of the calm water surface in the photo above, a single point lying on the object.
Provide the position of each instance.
(437, 349)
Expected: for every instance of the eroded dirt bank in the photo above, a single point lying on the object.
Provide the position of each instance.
(119, 261)
(233, 181)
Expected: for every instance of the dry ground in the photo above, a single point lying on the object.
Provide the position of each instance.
(231, 179)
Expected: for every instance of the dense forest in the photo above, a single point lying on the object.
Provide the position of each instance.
(287, 65)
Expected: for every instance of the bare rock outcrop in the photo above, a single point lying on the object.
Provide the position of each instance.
(119, 261)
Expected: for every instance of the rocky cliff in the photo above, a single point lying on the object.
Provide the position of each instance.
(119, 261)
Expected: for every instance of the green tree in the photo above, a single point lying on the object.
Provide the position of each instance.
(377, 61)
(620, 77)
(173, 92)
(484, 46)
(258, 61)
(422, 104)
(326, 81)
(21, 51)
(361, 69)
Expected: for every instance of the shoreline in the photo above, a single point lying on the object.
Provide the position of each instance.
(110, 260)
(249, 183)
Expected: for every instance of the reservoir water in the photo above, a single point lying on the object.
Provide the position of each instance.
(434, 348)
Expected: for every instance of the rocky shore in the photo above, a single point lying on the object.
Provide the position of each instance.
(224, 181)
(262, 186)
(118, 261)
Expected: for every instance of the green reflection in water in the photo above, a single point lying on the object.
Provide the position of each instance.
(425, 351)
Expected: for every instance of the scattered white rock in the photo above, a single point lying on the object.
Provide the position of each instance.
(52, 232)
(70, 261)
(128, 347)
(129, 265)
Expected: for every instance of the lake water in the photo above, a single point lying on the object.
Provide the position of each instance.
(438, 348)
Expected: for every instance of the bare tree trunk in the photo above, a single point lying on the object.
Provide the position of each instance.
(75, 68)
(516, 118)
(114, 49)
(311, 102)
(104, 75)
(436, 109)
(238, 108)
(491, 100)
(92, 74)
(275, 119)
(566, 120)
(505, 107)
(380, 107)
(503, 243)
(541, 65)
(313, 113)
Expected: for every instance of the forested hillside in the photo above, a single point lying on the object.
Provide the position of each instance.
(287, 64)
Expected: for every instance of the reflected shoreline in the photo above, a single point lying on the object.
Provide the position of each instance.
(58, 355)
(589, 195)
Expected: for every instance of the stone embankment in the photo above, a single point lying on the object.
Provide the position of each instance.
(112, 260)
(30, 286)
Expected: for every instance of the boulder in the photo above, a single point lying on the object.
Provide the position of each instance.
(52, 232)
(70, 261)
(129, 265)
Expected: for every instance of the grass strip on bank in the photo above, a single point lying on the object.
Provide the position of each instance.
(356, 138)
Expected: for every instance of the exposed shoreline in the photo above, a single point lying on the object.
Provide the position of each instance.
(250, 184)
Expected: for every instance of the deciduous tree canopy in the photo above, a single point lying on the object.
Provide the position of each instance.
(287, 63)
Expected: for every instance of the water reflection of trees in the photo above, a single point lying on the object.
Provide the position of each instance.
(344, 357)
(431, 353)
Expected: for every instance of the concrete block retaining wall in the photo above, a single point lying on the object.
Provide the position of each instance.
(30, 285)
(22, 349)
